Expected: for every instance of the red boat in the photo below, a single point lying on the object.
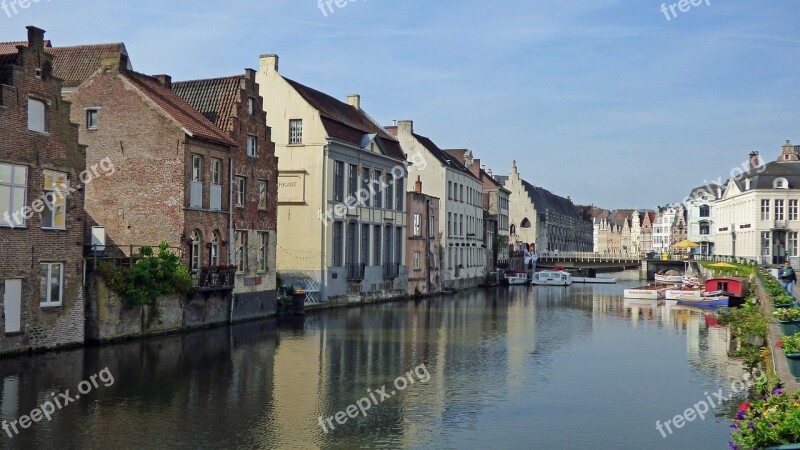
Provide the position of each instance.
(735, 288)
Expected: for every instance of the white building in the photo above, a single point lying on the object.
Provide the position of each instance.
(700, 216)
(666, 217)
(341, 193)
(757, 216)
(460, 206)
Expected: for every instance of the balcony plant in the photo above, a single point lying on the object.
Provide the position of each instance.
(789, 319)
(770, 423)
(791, 347)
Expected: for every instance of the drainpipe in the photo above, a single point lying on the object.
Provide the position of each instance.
(323, 231)
(427, 246)
(230, 227)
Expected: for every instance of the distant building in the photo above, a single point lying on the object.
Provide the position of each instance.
(423, 248)
(757, 216)
(700, 216)
(617, 232)
(41, 204)
(646, 237)
(669, 228)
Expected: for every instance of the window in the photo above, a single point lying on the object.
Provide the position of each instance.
(461, 193)
(449, 226)
(55, 194)
(705, 228)
(251, 106)
(197, 168)
(778, 209)
(449, 190)
(338, 181)
(398, 245)
(417, 261)
(13, 193)
(764, 209)
(37, 120)
(461, 225)
(241, 191)
(196, 250)
(252, 145)
(338, 229)
(377, 176)
(792, 209)
(765, 250)
(793, 243)
(401, 193)
(365, 244)
(431, 232)
(216, 171)
(51, 280)
(705, 211)
(376, 246)
(387, 240)
(91, 119)
(296, 131)
(262, 194)
(417, 225)
(213, 249)
(240, 245)
(352, 182)
(263, 242)
(389, 190)
(365, 185)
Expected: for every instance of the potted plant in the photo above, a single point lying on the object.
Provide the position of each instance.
(782, 301)
(791, 347)
(789, 319)
(770, 423)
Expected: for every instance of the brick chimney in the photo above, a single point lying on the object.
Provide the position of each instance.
(35, 38)
(418, 185)
(354, 100)
(268, 63)
(250, 74)
(165, 80)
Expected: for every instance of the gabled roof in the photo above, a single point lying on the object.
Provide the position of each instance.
(213, 98)
(344, 122)
(764, 177)
(11, 47)
(440, 155)
(178, 109)
(545, 200)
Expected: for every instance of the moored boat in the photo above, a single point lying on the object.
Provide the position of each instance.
(704, 301)
(666, 278)
(551, 278)
(516, 277)
(674, 293)
(594, 280)
(655, 291)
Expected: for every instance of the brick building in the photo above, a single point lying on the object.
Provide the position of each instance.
(423, 242)
(41, 204)
(236, 107)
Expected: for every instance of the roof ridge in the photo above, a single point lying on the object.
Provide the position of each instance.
(208, 79)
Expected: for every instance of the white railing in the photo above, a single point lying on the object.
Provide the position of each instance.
(590, 256)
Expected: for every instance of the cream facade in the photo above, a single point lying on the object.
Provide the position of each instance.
(341, 193)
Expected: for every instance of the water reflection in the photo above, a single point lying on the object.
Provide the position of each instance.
(510, 367)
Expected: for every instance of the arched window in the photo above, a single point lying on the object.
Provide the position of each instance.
(705, 228)
(213, 249)
(513, 230)
(705, 211)
(525, 223)
(196, 250)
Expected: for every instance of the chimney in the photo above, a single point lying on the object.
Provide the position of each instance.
(405, 127)
(418, 185)
(354, 100)
(250, 74)
(268, 63)
(114, 61)
(165, 80)
(754, 160)
(489, 171)
(35, 37)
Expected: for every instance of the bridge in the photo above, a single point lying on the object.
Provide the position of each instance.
(588, 260)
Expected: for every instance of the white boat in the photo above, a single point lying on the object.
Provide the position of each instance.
(663, 278)
(594, 280)
(650, 292)
(674, 293)
(517, 278)
(551, 278)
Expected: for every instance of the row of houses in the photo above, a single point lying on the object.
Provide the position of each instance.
(252, 173)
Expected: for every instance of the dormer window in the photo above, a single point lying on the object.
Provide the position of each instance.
(747, 184)
(781, 183)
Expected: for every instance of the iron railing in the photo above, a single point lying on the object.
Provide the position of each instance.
(214, 279)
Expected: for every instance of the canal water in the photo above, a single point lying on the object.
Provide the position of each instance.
(509, 367)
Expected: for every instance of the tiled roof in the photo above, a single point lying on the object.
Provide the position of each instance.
(213, 98)
(11, 47)
(181, 111)
(344, 122)
(545, 200)
(438, 153)
(75, 64)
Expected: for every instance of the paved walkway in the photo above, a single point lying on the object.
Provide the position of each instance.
(774, 334)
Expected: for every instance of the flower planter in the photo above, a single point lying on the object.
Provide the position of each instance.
(790, 328)
(786, 306)
(784, 447)
(794, 364)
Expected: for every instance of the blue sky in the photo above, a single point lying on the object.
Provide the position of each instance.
(605, 101)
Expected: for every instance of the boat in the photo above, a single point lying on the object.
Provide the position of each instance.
(655, 291)
(552, 278)
(594, 280)
(674, 293)
(704, 300)
(516, 277)
(735, 288)
(669, 276)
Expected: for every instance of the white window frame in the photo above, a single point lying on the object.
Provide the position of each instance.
(263, 244)
(57, 194)
(45, 298)
(793, 210)
(197, 168)
(241, 251)
(251, 105)
(241, 191)
(263, 194)
(252, 146)
(92, 116)
(295, 131)
(7, 188)
(33, 113)
(417, 261)
(417, 225)
(765, 206)
(216, 171)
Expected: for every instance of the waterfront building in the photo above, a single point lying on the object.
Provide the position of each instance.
(700, 207)
(757, 217)
(41, 204)
(669, 227)
(539, 217)
(341, 193)
(235, 106)
(617, 231)
(495, 205)
(460, 206)
(646, 237)
(423, 242)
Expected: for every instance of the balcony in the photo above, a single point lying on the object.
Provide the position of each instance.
(355, 271)
(215, 279)
(391, 271)
(780, 225)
